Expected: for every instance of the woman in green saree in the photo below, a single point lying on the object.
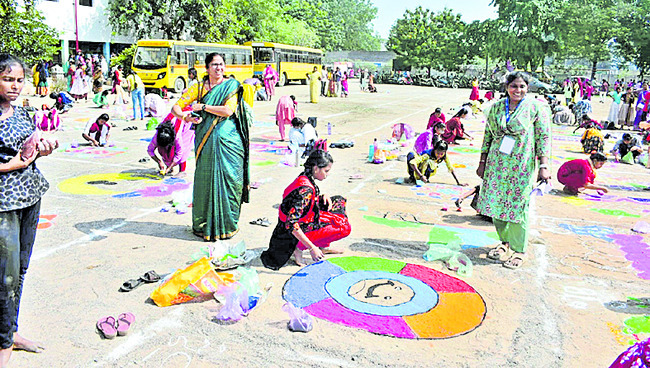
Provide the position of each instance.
(221, 178)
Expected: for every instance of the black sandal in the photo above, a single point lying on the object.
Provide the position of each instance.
(147, 278)
(130, 285)
(150, 277)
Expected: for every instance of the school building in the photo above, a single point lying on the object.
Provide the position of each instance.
(83, 24)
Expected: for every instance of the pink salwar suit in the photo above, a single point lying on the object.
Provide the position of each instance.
(270, 80)
(284, 113)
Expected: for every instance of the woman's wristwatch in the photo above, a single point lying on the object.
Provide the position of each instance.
(543, 166)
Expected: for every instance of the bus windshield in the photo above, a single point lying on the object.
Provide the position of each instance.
(150, 57)
(264, 55)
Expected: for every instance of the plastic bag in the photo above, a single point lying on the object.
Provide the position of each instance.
(235, 302)
(628, 158)
(249, 280)
(152, 124)
(197, 280)
(544, 187)
(460, 263)
(641, 227)
(438, 252)
(450, 253)
(299, 320)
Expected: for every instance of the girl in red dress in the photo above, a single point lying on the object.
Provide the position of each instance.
(307, 219)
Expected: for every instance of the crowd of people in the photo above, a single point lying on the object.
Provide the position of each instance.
(212, 118)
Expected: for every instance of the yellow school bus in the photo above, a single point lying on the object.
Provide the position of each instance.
(291, 62)
(164, 63)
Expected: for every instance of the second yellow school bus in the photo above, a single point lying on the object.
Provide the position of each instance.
(291, 62)
(164, 63)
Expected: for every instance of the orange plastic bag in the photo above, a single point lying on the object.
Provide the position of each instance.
(197, 280)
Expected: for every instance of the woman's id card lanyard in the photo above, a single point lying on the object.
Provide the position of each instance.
(508, 142)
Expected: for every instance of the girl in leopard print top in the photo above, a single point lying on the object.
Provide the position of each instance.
(21, 187)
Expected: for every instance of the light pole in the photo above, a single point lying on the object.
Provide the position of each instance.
(76, 26)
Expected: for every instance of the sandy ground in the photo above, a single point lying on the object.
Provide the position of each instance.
(554, 312)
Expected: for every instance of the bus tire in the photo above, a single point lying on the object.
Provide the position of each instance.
(303, 82)
(283, 80)
(179, 85)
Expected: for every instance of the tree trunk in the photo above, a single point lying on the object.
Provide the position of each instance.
(593, 69)
(487, 58)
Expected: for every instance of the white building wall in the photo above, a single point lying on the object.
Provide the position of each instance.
(92, 21)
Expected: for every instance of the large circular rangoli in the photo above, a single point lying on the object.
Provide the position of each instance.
(386, 297)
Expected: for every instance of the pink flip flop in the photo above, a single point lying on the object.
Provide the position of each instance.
(124, 322)
(106, 326)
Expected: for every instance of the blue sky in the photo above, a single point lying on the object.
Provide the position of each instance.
(391, 10)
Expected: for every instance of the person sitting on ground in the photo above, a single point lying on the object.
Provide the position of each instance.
(97, 131)
(581, 108)
(592, 140)
(578, 175)
(101, 99)
(428, 139)
(422, 167)
(63, 102)
(260, 94)
(170, 148)
(154, 105)
(455, 128)
(307, 219)
(489, 95)
(285, 112)
(476, 106)
(626, 145)
(585, 122)
(563, 114)
(47, 119)
(436, 117)
(298, 136)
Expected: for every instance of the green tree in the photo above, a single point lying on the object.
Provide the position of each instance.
(589, 36)
(148, 18)
(329, 24)
(528, 30)
(422, 38)
(633, 35)
(125, 58)
(339, 24)
(24, 33)
(481, 40)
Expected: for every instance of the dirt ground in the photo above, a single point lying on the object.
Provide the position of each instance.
(565, 308)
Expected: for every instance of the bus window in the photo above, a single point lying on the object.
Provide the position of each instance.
(240, 59)
(150, 57)
(264, 55)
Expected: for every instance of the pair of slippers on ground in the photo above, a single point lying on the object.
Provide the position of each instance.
(109, 327)
(131, 128)
(262, 221)
(147, 278)
(344, 144)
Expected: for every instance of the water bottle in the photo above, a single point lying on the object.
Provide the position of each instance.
(329, 128)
